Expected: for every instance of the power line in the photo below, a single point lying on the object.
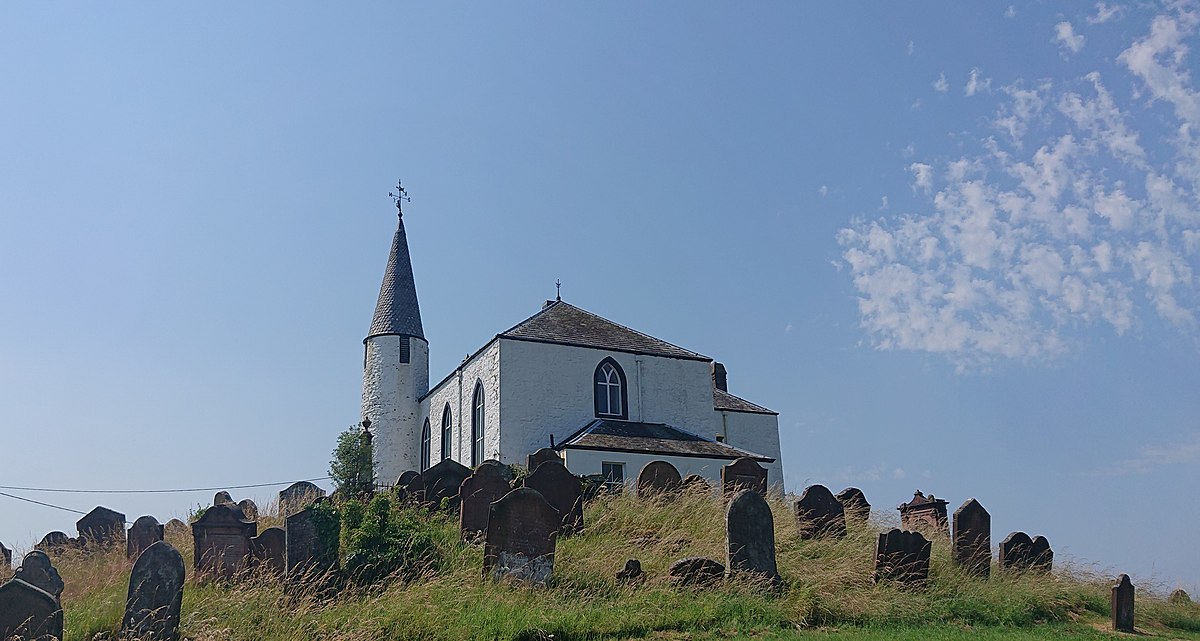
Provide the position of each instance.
(171, 491)
(57, 507)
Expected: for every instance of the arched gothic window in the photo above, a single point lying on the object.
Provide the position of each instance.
(477, 425)
(425, 445)
(610, 393)
(447, 419)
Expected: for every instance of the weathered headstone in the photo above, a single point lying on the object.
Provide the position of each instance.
(249, 509)
(1020, 553)
(562, 490)
(28, 613)
(298, 496)
(503, 470)
(442, 482)
(696, 570)
(925, 513)
(521, 534)
(632, 572)
(658, 478)
(972, 545)
(903, 557)
(414, 490)
(694, 483)
(101, 527)
(311, 550)
(222, 498)
(1040, 554)
(855, 504)
(5, 558)
(539, 457)
(819, 514)
(1179, 596)
(37, 570)
(221, 540)
(1122, 605)
(155, 595)
(175, 527)
(750, 537)
(743, 474)
(477, 493)
(407, 478)
(55, 541)
(144, 532)
(269, 550)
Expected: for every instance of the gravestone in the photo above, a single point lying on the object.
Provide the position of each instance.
(222, 498)
(37, 570)
(308, 551)
(1179, 596)
(694, 483)
(5, 558)
(750, 537)
(55, 542)
(972, 544)
(925, 513)
(442, 482)
(155, 595)
(298, 496)
(221, 540)
(1020, 553)
(539, 457)
(249, 509)
(1040, 555)
(819, 514)
(562, 490)
(903, 557)
(1122, 605)
(696, 570)
(521, 533)
(144, 532)
(175, 527)
(503, 470)
(101, 527)
(743, 474)
(268, 550)
(477, 493)
(407, 478)
(632, 572)
(855, 504)
(29, 613)
(658, 478)
(414, 490)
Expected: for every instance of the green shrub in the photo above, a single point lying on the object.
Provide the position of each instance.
(382, 539)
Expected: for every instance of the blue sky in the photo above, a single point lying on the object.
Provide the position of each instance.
(952, 244)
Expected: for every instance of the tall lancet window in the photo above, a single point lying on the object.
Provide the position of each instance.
(447, 419)
(610, 393)
(425, 445)
(477, 425)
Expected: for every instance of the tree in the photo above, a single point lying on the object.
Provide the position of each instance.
(352, 468)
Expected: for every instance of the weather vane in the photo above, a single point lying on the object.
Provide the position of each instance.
(557, 289)
(399, 197)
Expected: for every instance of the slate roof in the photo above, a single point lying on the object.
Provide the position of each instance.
(651, 438)
(723, 400)
(566, 324)
(397, 311)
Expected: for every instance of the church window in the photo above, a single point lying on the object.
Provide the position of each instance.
(447, 419)
(425, 445)
(404, 350)
(614, 476)
(611, 398)
(477, 425)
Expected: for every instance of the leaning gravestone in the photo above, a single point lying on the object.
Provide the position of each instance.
(743, 474)
(658, 478)
(249, 509)
(696, 570)
(819, 514)
(539, 457)
(477, 493)
(750, 537)
(311, 551)
(1122, 605)
(144, 532)
(972, 544)
(102, 527)
(855, 504)
(37, 570)
(903, 557)
(155, 595)
(562, 490)
(268, 550)
(221, 540)
(298, 496)
(29, 613)
(443, 480)
(521, 533)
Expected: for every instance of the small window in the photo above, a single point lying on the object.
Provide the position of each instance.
(610, 394)
(447, 419)
(477, 425)
(404, 347)
(425, 445)
(614, 476)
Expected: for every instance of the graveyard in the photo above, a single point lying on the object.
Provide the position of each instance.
(488, 554)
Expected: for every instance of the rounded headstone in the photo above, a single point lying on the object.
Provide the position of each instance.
(696, 570)
(27, 612)
(750, 536)
(155, 596)
(658, 478)
(249, 509)
(144, 532)
(819, 514)
(37, 570)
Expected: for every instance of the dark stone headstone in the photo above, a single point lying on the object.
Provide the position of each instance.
(1179, 597)
(477, 493)
(101, 527)
(222, 498)
(1020, 553)
(632, 572)
(694, 483)
(407, 478)
(5, 558)
(144, 532)
(854, 502)
(539, 457)
(175, 527)
(925, 513)
(309, 552)
(221, 540)
(1122, 605)
(268, 550)
(819, 514)
(743, 474)
(1040, 554)
(521, 534)
(414, 490)
(903, 557)
(442, 482)
(28, 613)
(298, 496)
(696, 570)
(55, 542)
(503, 470)
(750, 536)
(972, 544)
(562, 490)
(155, 595)
(37, 570)
(658, 478)
(249, 509)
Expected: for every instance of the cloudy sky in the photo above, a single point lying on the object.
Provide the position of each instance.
(953, 245)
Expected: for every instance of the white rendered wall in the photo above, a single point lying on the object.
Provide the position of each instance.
(757, 433)
(389, 400)
(458, 391)
(589, 462)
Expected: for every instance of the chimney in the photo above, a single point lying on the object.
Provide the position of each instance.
(718, 374)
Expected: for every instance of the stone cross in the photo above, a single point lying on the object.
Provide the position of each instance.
(521, 534)
(477, 493)
(155, 596)
(819, 514)
(309, 552)
(268, 550)
(144, 532)
(743, 474)
(37, 570)
(27, 612)
(750, 537)
(102, 527)
(1122, 605)
(562, 490)
(658, 478)
(221, 540)
(972, 542)
(855, 504)
(903, 557)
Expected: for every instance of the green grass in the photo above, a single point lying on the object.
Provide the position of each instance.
(828, 593)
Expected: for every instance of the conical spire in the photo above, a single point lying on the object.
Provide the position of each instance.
(397, 311)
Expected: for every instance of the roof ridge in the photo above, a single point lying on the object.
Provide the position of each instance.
(539, 312)
(649, 344)
(633, 330)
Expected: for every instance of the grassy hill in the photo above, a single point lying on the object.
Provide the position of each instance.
(828, 593)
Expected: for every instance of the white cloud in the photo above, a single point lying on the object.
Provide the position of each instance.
(922, 175)
(1025, 105)
(823, 190)
(1151, 458)
(976, 83)
(941, 84)
(883, 203)
(1065, 34)
(1104, 13)
(898, 473)
(909, 49)
(1010, 12)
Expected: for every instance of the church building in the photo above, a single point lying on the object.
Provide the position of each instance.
(607, 398)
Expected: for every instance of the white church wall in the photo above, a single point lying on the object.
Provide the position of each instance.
(585, 462)
(389, 400)
(757, 433)
(458, 391)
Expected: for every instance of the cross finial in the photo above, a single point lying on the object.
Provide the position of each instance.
(557, 289)
(400, 196)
